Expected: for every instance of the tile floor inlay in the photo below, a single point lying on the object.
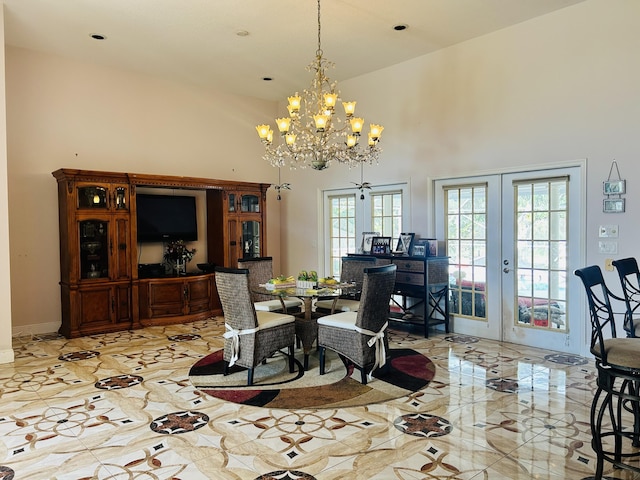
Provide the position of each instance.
(121, 405)
(422, 425)
(179, 422)
(77, 356)
(119, 381)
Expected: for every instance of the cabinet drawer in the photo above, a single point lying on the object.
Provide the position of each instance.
(409, 265)
(409, 278)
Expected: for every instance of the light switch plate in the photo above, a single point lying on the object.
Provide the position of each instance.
(608, 247)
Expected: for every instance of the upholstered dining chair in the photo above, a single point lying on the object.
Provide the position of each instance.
(351, 271)
(250, 336)
(629, 275)
(260, 272)
(618, 365)
(360, 337)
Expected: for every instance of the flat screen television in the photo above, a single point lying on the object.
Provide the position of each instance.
(164, 218)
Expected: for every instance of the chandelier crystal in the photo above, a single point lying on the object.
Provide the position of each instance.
(314, 135)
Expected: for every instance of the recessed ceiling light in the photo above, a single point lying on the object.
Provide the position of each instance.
(400, 27)
(97, 36)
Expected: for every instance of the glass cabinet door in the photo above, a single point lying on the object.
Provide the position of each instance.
(250, 239)
(250, 203)
(92, 196)
(94, 249)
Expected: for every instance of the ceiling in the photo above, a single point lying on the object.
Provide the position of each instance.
(197, 41)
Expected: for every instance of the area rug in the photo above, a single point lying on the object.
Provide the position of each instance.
(274, 387)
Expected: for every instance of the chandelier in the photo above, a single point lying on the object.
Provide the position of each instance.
(313, 134)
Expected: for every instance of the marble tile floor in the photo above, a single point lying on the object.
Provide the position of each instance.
(120, 406)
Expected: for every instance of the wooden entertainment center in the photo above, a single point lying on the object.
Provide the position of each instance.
(101, 289)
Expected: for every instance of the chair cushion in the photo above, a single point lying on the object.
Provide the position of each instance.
(273, 319)
(273, 305)
(346, 320)
(342, 305)
(622, 352)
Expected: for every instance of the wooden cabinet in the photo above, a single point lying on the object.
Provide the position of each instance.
(171, 299)
(95, 251)
(241, 220)
(421, 292)
(99, 285)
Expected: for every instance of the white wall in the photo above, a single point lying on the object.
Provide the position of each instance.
(66, 114)
(558, 88)
(6, 352)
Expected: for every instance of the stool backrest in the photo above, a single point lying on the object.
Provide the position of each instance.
(600, 310)
(629, 275)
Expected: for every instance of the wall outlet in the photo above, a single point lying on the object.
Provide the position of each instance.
(608, 264)
(608, 231)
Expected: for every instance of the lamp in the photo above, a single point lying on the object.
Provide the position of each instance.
(313, 134)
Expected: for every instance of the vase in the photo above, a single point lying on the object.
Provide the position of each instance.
(178, 266)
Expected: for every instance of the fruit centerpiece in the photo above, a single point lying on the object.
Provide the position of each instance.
(307, 279)
(281, 282)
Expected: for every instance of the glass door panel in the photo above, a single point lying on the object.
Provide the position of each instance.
(250, 239)
(94, 249)
(250, 203)
(92, 196)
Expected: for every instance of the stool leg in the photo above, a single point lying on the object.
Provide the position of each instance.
(596, 440)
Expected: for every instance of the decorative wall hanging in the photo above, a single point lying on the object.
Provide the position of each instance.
(613, 189)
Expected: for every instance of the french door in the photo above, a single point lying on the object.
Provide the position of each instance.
(513, 241)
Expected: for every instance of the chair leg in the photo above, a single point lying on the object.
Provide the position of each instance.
(250, 377)
(363, 376)
(306, 362)
(321, 359)
(291, 364)
(226, 368)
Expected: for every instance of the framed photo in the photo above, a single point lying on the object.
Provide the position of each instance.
(404, 243)
(420, 248)
(366, 241)
(616, 187)
(613, 205)
(380, 245)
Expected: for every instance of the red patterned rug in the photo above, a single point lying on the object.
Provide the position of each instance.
(274, 387)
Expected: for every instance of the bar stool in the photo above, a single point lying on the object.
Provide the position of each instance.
(616, 403)
(629, 274)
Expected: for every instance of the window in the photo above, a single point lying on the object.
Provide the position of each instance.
(342, 230)
(383, 210)
(386, 214)
(466, 241)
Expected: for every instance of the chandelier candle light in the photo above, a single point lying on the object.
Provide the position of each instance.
(313, 135)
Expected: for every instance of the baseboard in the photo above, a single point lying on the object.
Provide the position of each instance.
(35, 329)
(7, 356)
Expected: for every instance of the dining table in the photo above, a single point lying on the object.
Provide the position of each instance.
(306, 322)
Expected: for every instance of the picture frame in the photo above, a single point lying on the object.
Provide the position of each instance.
(420, 247)
(380, 245)
(365, 247)
(405, 242)
(614, 187)
(613, 205)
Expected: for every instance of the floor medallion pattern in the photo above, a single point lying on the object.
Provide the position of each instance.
(122, 405)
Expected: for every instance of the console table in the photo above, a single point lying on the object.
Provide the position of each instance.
(421, 282)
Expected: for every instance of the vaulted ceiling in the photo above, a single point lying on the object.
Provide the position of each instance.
(232, 45)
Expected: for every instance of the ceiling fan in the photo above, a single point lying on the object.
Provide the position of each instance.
(281, 186)
(362, 186)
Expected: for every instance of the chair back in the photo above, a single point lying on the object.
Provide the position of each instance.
(600, 310)
(260, 272)
(235, 297)
(352, 269)
(629, 275)
(377, 288)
